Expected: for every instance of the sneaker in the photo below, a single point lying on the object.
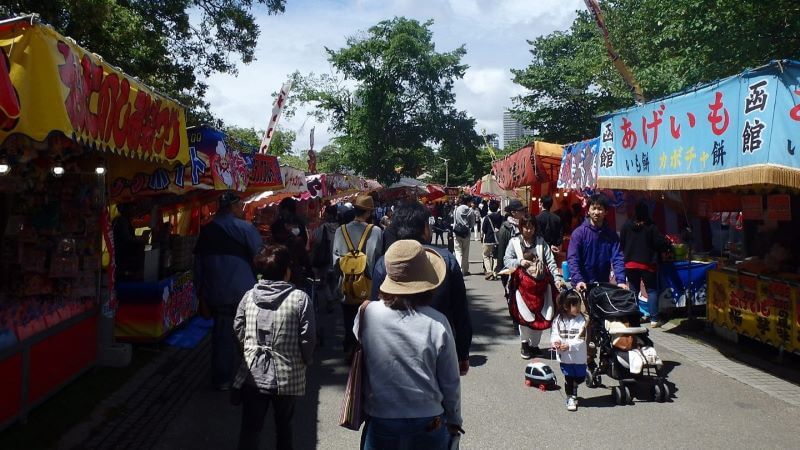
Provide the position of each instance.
(656, 324)
(525, 351)
(572, 403)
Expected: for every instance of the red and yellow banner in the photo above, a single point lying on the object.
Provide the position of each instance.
(59, 86)
(763, 309)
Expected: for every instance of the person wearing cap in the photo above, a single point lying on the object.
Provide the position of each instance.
(412, 393)
(223, 273)
(509, 229)
(363, 207)
(411, 222)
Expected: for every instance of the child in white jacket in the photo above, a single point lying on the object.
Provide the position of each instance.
(568, 338)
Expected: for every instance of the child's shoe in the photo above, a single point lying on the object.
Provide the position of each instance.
(572, 403)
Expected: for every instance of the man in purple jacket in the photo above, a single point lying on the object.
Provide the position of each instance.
(594, 249)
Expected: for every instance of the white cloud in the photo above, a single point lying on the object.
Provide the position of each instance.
(494, 33)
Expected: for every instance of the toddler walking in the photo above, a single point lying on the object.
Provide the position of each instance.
(568, 338)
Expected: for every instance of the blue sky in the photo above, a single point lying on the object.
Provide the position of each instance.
(493, 31)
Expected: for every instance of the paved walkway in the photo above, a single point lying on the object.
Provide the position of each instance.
(711, 358)
(169, 406)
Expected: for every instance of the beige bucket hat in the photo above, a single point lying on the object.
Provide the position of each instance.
(412, 269)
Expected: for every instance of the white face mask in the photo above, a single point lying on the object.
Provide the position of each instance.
(296, 231)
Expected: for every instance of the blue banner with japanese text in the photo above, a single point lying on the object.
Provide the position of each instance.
(751, 120)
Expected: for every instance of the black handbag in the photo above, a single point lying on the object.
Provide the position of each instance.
(461, 230)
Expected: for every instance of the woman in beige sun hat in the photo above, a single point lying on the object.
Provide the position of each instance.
(412, 391)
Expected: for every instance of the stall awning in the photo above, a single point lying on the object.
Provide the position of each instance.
(216, 162)
(50, 84)
(742, 130)
(525, 166)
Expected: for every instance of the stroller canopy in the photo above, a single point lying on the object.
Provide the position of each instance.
(607, 301)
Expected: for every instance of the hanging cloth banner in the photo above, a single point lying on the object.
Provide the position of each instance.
(579, 166)
(266, 174)
(742, 130)
(515, 170)
(58, 86)
(294, 180)
(277, 108)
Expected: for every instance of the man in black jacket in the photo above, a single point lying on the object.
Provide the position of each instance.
(490, 225)
(549, 224)
(411, 222)
(508, 230)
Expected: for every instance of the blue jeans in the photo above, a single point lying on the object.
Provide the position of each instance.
(405, 434)
(651, 286)
(224, 345)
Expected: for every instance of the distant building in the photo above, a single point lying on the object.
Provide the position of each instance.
(494, 142)
(513, 130)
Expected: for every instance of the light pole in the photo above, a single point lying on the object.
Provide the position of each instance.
(446, 171)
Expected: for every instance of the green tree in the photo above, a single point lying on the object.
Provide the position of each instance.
(281, 143)
(158, 41)
(669, 47)
(330, 159)
(402, 105)
(296, 161)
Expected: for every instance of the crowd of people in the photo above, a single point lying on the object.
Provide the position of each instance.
(403, 301)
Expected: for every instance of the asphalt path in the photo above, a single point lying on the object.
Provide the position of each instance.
(705, 409)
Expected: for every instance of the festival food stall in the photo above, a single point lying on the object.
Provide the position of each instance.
(63, 113)
(157, 295)
(533, 169)
(729, 147)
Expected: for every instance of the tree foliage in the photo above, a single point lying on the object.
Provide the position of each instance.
(392, 102)
(331, 159)
(281, 143)
(171, 45)
(668, 46)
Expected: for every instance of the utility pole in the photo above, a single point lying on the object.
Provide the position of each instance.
(446, 171)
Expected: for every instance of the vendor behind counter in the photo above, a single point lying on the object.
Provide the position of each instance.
(128, 248)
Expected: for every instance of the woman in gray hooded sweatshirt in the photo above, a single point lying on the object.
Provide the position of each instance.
(275, 325)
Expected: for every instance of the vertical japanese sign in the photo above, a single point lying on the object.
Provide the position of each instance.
(277, 108)
(704, 138)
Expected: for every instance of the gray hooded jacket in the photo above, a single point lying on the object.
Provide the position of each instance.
(275, 324)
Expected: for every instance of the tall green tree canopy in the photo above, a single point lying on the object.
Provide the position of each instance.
(669, 46)
(394, 108)
(171, 45)
(280, 145)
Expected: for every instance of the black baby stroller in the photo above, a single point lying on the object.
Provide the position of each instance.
(619, 347)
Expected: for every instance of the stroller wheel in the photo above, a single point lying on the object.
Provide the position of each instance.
(627, 398)
(616, 395)
(660, 392)
(593, 380)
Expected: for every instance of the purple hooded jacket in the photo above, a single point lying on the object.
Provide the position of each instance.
(592, 251)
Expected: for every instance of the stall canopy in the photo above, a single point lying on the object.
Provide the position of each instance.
(48, 84)
(741, 130)
(216, 162)
(536, 162)
(488, 186)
